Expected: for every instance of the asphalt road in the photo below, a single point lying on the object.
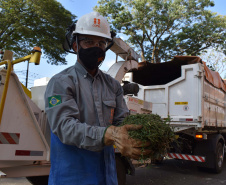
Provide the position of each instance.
(176, 172)
(170, 172)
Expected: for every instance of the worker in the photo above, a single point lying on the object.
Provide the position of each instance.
(84, 107)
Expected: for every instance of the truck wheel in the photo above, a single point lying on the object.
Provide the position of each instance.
(219, 158)
(38, 180)
(121, 170)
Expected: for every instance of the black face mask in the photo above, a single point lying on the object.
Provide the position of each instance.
(91, 57)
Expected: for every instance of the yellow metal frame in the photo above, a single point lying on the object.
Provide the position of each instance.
(34, 58)
(5, 87)
(27, 91)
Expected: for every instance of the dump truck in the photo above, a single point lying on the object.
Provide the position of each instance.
(194, 98)
(183, 89)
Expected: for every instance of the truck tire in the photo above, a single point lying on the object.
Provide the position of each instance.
(121, 170)
(38, 180)
(218, 158)
(213, 149)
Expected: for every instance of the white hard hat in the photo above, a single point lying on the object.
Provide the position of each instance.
(93, 24)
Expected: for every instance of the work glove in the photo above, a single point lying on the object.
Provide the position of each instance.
(127, 146)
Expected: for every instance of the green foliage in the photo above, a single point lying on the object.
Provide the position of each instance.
(28, 23)
(155, 130)
(165, 28)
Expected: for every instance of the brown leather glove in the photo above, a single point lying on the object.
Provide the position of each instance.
(127, 146)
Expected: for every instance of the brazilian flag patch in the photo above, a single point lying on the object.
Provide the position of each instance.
(54, 100)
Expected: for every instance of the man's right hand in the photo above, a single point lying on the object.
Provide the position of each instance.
(126, 145)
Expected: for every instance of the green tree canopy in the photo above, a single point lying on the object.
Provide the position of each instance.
(28, 23)
(165, 28)
(215, 59)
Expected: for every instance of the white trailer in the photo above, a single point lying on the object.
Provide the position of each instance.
(24, 146)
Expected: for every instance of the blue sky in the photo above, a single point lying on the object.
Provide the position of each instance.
(79, 8)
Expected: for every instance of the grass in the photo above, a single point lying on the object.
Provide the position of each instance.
(155, 130)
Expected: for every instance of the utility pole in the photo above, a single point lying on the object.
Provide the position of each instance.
(27, 72)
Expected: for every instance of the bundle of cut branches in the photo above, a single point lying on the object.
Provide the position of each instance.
(155, 130)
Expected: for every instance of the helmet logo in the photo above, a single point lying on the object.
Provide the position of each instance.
(96, 22)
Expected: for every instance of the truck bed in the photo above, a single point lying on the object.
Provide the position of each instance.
(186, 91)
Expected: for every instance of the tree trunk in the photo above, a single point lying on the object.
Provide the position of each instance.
(157, 59)
(153, 55)
(142, 56)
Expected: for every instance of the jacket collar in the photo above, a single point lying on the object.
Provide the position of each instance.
(79, 67)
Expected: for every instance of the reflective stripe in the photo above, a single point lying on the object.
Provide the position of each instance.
(9, 138)
(187, 157)
(28, 153)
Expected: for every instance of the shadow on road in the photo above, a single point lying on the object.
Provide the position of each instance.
(176, 172)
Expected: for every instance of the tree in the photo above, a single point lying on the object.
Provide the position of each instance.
(215, 59)
(165, 28)
(28, 23)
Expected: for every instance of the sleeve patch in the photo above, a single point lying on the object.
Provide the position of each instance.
(54, 100)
